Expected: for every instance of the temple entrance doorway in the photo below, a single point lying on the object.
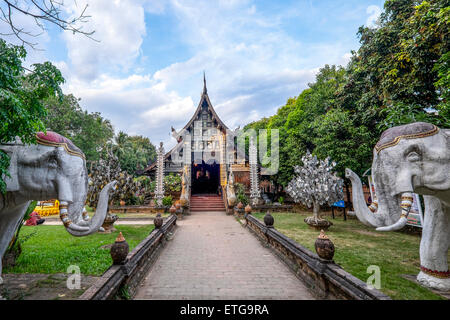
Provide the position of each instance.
(205, 178)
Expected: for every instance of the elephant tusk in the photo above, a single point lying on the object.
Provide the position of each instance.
(76, 227)
(65, 219)
(407, 200)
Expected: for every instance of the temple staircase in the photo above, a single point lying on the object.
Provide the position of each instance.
(206, 202)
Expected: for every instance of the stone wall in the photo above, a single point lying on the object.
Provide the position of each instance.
(325, 279)
(123, 280)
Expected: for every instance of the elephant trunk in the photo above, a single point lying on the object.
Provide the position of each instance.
(75, 219)
(383, 211)
(370, 216)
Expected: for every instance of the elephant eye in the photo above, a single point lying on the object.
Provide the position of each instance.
(52, 162)
(413, 156)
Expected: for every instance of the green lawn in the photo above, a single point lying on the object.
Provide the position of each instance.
(52, 249)
(358, 247)
(137, 215)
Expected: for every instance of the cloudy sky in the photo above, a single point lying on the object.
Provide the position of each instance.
(145, 71)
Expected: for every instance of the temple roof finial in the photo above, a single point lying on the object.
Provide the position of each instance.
(204, 84)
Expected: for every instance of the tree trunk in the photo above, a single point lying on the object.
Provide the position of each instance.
(347, 191)
(316, 209)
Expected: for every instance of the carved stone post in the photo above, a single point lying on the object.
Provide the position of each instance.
(159, 191)
(255, 193)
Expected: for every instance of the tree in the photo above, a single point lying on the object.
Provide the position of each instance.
(21, 95)
(295, 120)
(133, 152)
(41, 11)
(88, 131)
(315, 184)
(349, 145)
(398, 74)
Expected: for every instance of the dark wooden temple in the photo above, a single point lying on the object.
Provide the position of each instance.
(203, 147)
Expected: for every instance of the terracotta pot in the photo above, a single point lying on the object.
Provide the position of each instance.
(240, 205)
(173, 209)
(119, 250)
(178, 205)
(248, 209)
(122, 203)
(324, 247)
(158, 221)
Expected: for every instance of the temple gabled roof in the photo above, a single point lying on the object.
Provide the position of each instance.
(205, 100)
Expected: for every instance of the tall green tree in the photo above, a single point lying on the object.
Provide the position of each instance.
(88, 131)
(400, 72)
(21, 94)
(134, 152)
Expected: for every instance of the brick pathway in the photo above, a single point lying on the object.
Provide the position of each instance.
(212, 256)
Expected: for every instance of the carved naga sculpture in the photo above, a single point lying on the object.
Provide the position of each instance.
(231, 195)
(413, 158)
(184, 197)
(54, 168)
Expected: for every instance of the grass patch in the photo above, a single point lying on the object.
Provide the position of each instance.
(52, 249)
(140, 215)
(358, 246)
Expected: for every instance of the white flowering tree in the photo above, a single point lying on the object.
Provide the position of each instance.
(316, 184)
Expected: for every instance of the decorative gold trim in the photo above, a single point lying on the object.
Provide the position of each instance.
(67, 223)
(432, 132)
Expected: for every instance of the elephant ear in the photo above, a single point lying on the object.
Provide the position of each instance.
(12, 182)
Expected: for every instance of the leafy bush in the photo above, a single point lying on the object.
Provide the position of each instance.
(239, 189)
(281, 200)
(167, 201)
(144, 181)
(132, 200)
(172, 182)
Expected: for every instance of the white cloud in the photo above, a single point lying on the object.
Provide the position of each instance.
(119, 27)
(32, 33)
(252, 64)
(374, 13)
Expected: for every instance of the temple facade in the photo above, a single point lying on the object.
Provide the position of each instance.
(207, 149)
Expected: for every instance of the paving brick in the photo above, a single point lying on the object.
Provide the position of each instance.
(212, 256)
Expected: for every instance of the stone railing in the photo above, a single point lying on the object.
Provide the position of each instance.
(123, 280)
(324, 278)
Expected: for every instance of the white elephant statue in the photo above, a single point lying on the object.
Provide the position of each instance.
(54, 168)
(413, 158)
